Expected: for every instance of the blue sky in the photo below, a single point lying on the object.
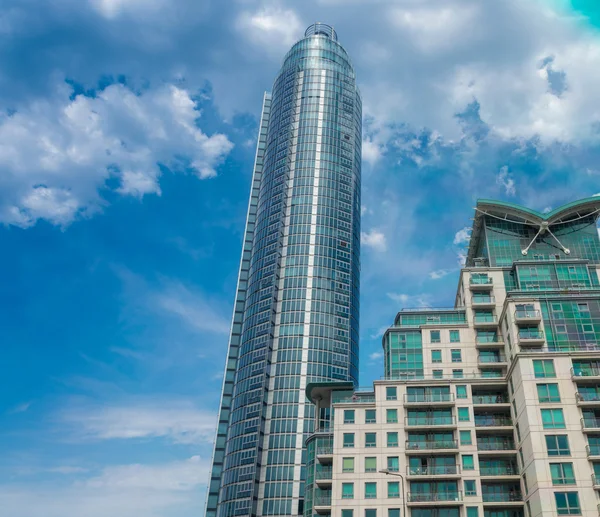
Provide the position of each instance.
(127, 131)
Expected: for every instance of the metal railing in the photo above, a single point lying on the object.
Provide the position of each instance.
(477, 280)
(325, 450)
(585, 372)
(483, 300)
(590, 422)
(324, 473)
(500, 358)
(434, 420)
(358, 399)
(426, 497)
(324, 500)
(431, 445)
(531, 335)
(491, 320)
(490, 399)
(505, 445)
(595, 480)
(490, 341)
(505, 497)
(492, 421)
(500, 470)
(421, 398)
(587, 397)
(527, 314)
(593, 450)
(432, 470)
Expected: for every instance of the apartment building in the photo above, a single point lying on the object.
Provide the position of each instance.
(487, 409)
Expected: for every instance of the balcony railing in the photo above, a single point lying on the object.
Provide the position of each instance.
(362, 399)
(595, 480)
(501, 470)
(431, 445)
(432, 470)
(500, 358)
(593, 450)
(590, 422)
(425, 420)
(531, 335)
(415, 398)
(324, 473)
(587, 397)
(493, 421)
(482, 300)
(322, 500)
(325, 450)
(505, 497)
(527, 314)
(475, 280)
(585, 372)
(430, 497)
(485, 320)
(496, 446)
(490, 399)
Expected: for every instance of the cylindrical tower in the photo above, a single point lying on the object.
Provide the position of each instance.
(300, 289)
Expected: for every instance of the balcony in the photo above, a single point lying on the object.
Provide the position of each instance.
(514, 496)
(324, 454)
(501, 471)
(431, 447)
(480, 283)
(491, 400)
(587, 399)
(480, 322)
(531, 338)
(434, 497)
(585, 374)
(527, 316)
(486, 343)
(488, 422)
(448, 471)
(492, 360)
(590, 423)
(430, 399)
(322, 504)
(595, 481)
(593, 451)
(434, 421)
(323, 476)
(497, 447)
(483, 302)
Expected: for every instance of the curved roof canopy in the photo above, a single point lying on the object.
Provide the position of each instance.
(518, 214)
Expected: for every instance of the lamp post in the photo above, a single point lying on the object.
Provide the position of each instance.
(388, 472)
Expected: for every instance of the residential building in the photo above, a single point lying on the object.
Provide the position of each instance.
(296, 309)
(490, 408)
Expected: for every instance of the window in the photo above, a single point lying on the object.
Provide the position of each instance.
(370, 416)
(553, 419)
(346, 512)
(391, 393)
(467, 462)
(435, 336)
(348, 465)
(371, 464)
(393, 463)
(370, 490)
(562, 473)
(457, 374)
(455, 336)
(393, 489)
(456, 355)
(347, 490)
(391, 416)
(461, 391)
(522, 458)
(512, 387)
(558, 445)
(370, 440)
(371, 512)
(548, 393)
(465, 438)
(543, 368)
(392, 439)
(348, 439)
(567, 503)
(394, 512)
(518, 429)
(436, 356)
(583, 307)
(438, 374)
(463, 414)
(470, 487)
(525, 483)
(472, 511)
(348, 416)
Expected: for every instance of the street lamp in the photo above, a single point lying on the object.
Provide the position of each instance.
(388, 472)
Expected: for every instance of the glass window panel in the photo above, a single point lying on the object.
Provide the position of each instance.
(370, 439)
(348, 416)
(393, 489)
(391, 393)
(370, 417)
(348, 465)
(392, 439)
(393, 463)
(371, 464)
(435, 336)
(391, 416)
(463, 414)
(348, 439)
(558, 445)
(455, 336)
(370, 490)
(465, 438)
(456, 356)
(470, 487)
(467, 462)
(461, 392)
(347, 490)
(436, 356)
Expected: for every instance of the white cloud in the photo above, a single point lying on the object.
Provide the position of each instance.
(505, 180)
(440, 273)
(113, 8)
(374, 239)
(178, 421)
(273, 29)
(375, 356)
(409, 301)
(55, 154)
(462, 236)
(371, 151)
(21, 408)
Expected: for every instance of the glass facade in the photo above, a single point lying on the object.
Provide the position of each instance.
(296, 318)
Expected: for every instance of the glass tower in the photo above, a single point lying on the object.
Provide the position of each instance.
(296, 311)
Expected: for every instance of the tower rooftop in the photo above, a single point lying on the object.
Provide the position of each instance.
(321, 29)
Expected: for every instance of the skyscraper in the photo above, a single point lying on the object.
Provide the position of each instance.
(296, 310)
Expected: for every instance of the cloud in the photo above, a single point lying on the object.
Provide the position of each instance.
(440, 273)
(57, 154)
(155, 490)
(505, 180)
(177, 421)
(375, 356)
(462, 236)
(374, 239)
(371, 151)
(410, 301)
(272, 28)
(21, 408)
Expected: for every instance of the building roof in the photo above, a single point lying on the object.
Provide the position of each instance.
(519, 214)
